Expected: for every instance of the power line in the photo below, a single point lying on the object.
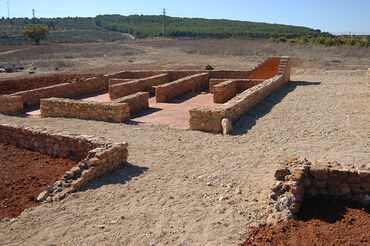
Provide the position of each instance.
(164, 22)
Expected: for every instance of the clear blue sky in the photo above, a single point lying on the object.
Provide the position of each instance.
(337, 16)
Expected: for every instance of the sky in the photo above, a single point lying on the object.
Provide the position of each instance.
(335, 16)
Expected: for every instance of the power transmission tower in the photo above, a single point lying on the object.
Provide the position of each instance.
(7, 3)
(164, 22)
(33, 13)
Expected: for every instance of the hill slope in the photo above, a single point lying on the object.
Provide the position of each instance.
(105, 28)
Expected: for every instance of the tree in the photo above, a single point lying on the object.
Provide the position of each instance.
(36, 32)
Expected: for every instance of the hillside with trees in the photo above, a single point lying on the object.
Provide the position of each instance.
(142, 26)
(109, 28)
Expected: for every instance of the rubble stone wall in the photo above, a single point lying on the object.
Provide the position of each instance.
(226, 90)
(137, 102)
(10, 86)
(171, 90)
(11, 105)
(118, 81)
(104, 111)
(32, 98)
(98, 156)
(214, 82)
(299, 178)
(139, 85)
(266, 70)
(229, 74)
(210, 119)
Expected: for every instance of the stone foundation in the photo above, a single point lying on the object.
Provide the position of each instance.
(11, 105)
(139, 85)
(299, 178)
(104, 111)
(166, 92)
(137, 102)
(32, 98)
(98, 156)
(210, 119)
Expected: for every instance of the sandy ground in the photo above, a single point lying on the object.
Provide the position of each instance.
(186, 187)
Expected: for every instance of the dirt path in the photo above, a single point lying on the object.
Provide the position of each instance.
(193, 188)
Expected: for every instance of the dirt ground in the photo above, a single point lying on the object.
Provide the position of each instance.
(186, 187)
(321, 222)
(24, 174)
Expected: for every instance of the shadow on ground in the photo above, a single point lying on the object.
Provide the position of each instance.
(249, 119)
(327, 209)
(118, 176)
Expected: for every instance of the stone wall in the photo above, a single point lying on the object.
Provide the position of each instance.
(118, 81)
(11, 86)
(98, 156)
(229, 74)
(299, 178)
(11, 105)
(210, 119)
(166, 92)
(224, 91)
(214, 82)
(266, 70)
(139, 85)
(137, 102)
(132, 75)
(104, 111)
(66, 90)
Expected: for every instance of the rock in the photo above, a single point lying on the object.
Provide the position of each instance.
(42, 196)
(340, 190)
(276, 186)
(281, 173)
(290, 159)
(76, 171)
(69, 175)
(222, 198)
(49, 199)
(209, 184)
(227, 126)
(101, 226)
(319, 184)
(209, 67)
(319, 173)
(12, 220)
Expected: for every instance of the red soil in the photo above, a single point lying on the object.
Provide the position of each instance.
(322, 222)
(267, 70)
(15, 85)
(24, 174)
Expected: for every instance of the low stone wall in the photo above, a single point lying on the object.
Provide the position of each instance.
(137, 102)
(11, 86)
(214, 82)
(118, 81)
(139, 85)
(299, 178)
(171, 90)
(210, 119)
(133, 75)
(11, 105)
(32, 98)
(229, 74)
(226, 90)
(104, 111)
(98, 156)
(266, 70)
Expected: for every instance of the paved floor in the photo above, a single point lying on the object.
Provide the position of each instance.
(174, 113)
